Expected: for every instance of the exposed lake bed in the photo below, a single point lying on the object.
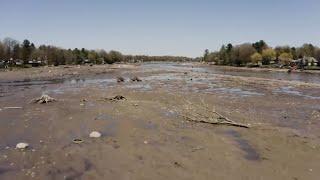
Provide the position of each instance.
(144, 138)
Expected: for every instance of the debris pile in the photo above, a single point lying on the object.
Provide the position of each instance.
(116, 98)
(44, 99)
(135, 78)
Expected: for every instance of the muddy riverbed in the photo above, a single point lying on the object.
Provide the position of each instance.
(145, 136)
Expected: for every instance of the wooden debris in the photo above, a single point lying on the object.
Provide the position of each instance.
(203, 114)
(44, 99)
(115, 99)
(135, 78)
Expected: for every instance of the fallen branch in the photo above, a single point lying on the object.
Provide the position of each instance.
(203, 114)
(217, 122)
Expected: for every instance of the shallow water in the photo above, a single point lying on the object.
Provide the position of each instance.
(176, 77)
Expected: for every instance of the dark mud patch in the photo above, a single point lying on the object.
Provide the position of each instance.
(5, 169)
(104, 117)
(148, 125)
(70, 173)
(250, 153)
(88, 165)
(111, 129)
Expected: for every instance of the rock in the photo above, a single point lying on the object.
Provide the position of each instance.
(95, 134)
(145, 142)
(120, 79)
(22, 145)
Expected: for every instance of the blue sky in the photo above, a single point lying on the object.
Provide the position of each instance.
(160, 27)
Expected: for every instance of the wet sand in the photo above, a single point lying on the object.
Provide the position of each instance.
(144, 137)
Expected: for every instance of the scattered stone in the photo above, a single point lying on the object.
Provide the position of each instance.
(120, 79)
(95, 134)
(177, 164)
(22, 146)
(135, 78)
(44, 99)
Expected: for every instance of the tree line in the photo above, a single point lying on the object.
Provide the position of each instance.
(259, 52)
(13, 50)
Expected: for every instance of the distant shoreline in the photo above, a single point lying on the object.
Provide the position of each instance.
(264, 69)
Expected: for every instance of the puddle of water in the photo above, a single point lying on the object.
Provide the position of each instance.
(250, 153)
(143, 87)
(110, 129)
(237, 91)
(171, 113)
(167, 66)
(290, 90)
(104, 117)
(149, 125)
(301, 77)
(5, 169)
(31, 83)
